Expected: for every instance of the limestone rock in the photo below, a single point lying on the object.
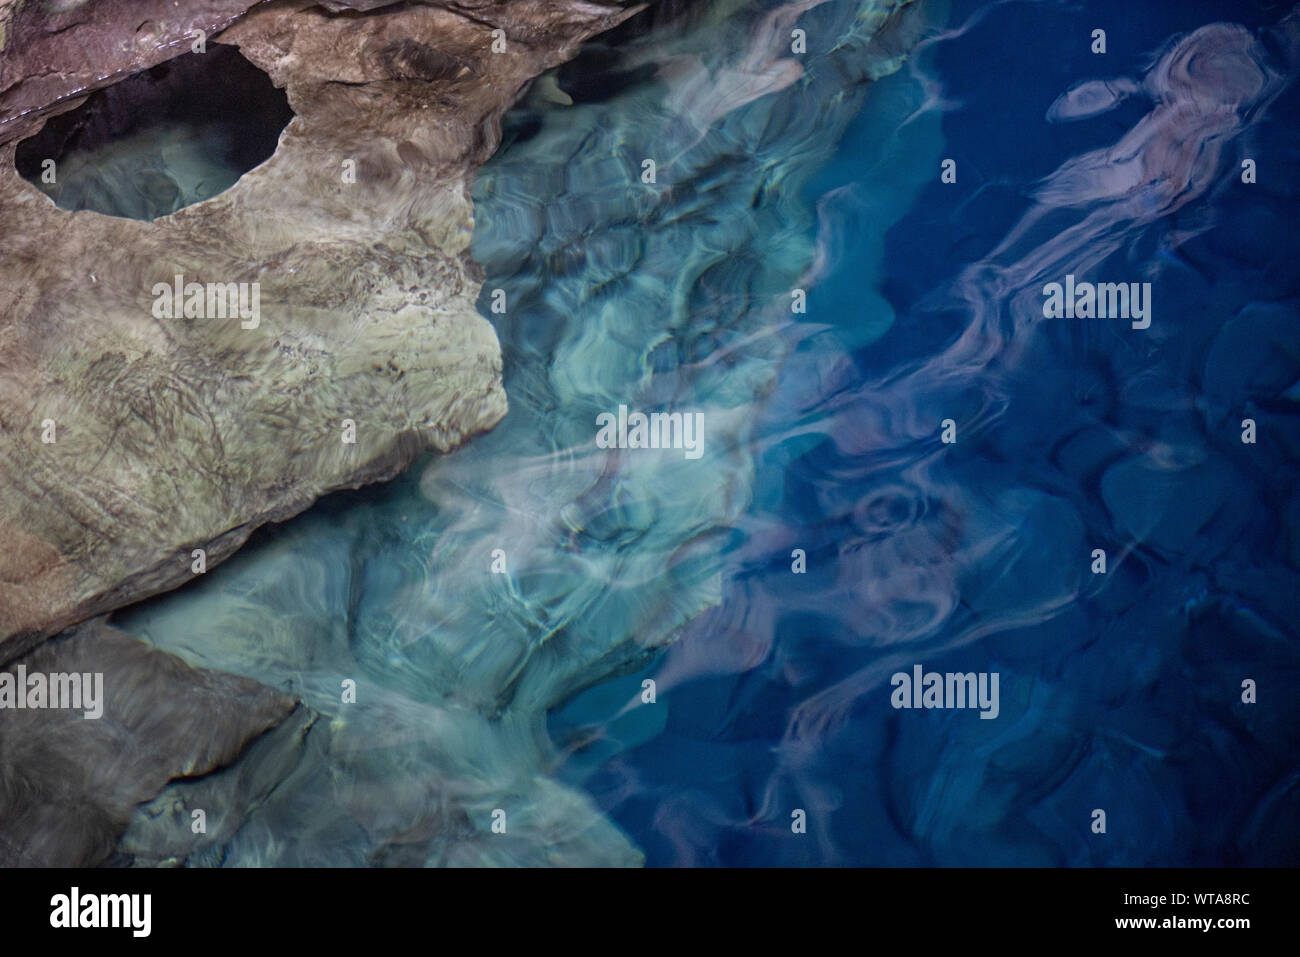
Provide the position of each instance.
(177, 434)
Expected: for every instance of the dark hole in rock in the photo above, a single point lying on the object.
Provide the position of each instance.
(160, 140)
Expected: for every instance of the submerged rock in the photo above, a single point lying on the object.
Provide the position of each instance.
(128, 439)
(70, 777)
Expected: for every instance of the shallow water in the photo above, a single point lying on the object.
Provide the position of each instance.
(159, 140)
(822, 433)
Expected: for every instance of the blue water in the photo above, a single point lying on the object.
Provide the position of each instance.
(1119, 691)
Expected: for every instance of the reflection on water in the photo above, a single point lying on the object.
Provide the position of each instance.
(1119, 691)
(821, 436)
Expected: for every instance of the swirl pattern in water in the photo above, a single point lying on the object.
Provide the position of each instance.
(907, 464)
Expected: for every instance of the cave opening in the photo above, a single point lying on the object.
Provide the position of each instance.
(162, 139)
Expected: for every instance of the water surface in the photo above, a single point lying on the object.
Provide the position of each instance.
(1119, 691)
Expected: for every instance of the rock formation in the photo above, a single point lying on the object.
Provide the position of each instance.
(129, 441)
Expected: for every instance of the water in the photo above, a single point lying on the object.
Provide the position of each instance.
(1122, 692)
(160, 140)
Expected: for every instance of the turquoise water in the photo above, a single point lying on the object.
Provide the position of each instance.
(522, 691)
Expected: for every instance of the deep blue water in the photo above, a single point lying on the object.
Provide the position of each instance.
(1119, 691)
